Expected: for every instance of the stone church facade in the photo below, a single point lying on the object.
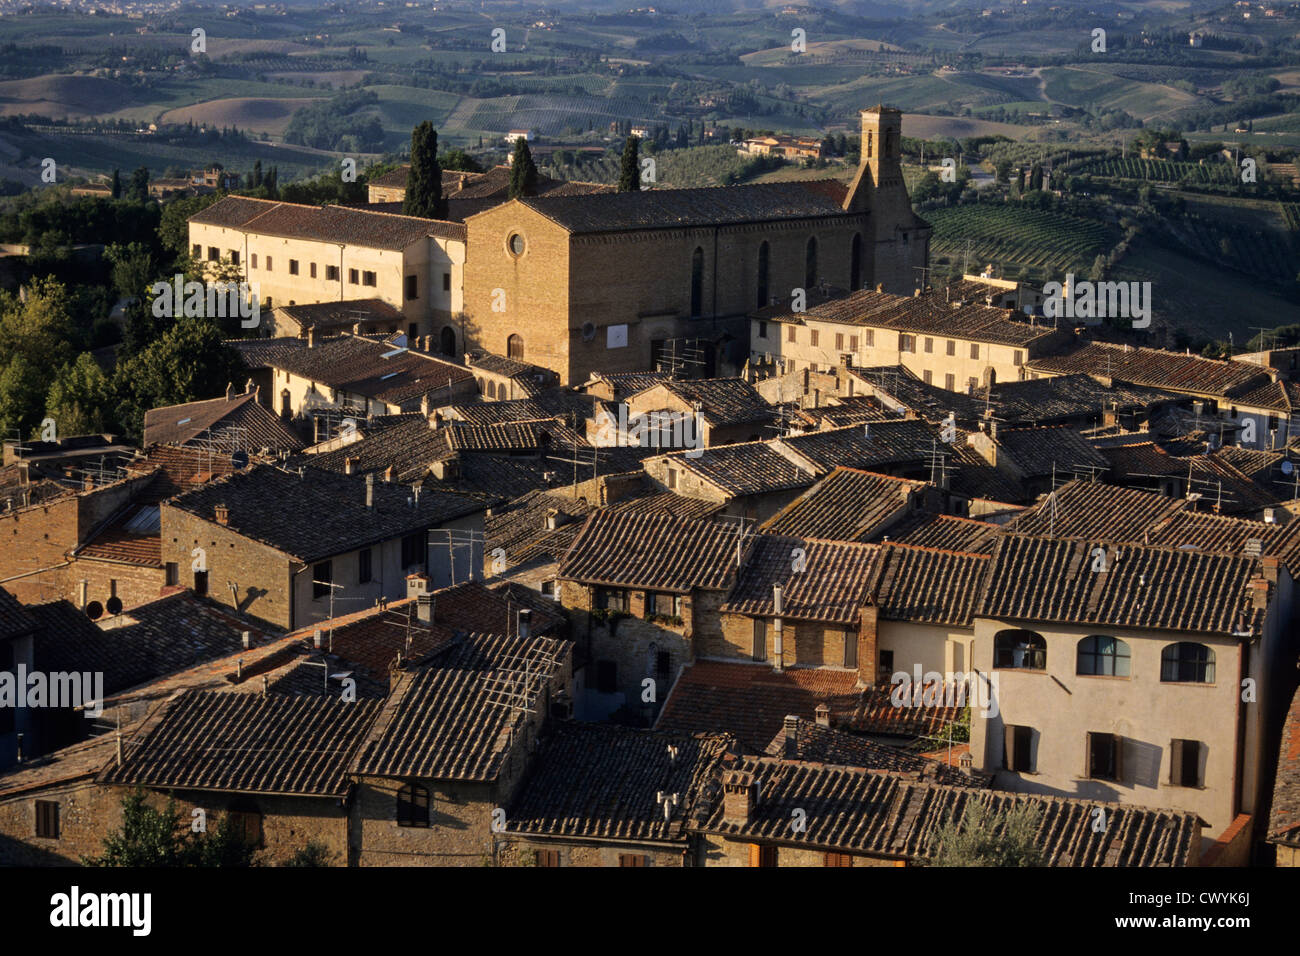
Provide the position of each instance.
(614, 282)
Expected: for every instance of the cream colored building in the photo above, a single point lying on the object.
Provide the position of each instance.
(958, 346)
(300, 255)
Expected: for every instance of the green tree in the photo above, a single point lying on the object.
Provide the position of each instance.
(424, 184)
(983, 838)
(117, 184)
(80, 398)
(629, 176)
(523, 172)
(257, 174)
(38, 324)
(133, 267)
(150, 837)
(22, 397)
(459, 159)
(189, 362)
(174, 227)
(139, 191)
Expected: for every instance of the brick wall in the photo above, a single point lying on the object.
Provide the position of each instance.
(132, 583)
(522, 851)
(87, 813)
(719, 851)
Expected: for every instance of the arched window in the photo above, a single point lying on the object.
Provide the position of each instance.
(448, 342)
(810, 264)
(764, 253)
(697, 282)
(1187, 663)
(412, 806)
(515, 346)
(1102, 656)
(1020, 650)
(855, 263)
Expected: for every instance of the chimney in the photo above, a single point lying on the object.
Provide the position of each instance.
(867, 641)
(823, 714)
(316, 639)
(388, 475)
(446, 469)
(739, 797)
(82, 586)
(246, 638)
(417, 584)
(357, 328)
(249, 387)
(370, 490)
(230, 390)
(791, 726)
(552, 519)
(436, 421)
(349, 465)
(1260, 588)
(311, 336)
(88, 484)
(525, 621)
(778, 650)
(424, 404)
(266, 684)
(1270, 563)
(424, 608)
(223, 515)
(880, 287)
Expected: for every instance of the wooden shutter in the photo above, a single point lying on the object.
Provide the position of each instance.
(839, 859)
(1117, 742)
(631, 859)
(1009, 747)
(755, 855)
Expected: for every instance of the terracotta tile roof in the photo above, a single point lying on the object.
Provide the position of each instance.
(666, 503)
(876, 445)
(358, 365)
(1046, 579)
(689, 208)
(1284, 816)
(1087, 509)
(846, 505)
(875, 711)
(924, 315)
(333, 224)
(1282, 397)
(899, 818)
(318, 514)
(723, 401)
(745, 468)
(971, 476)
(248, 743)
(751, 701)
(603, 782)
(520, 528)
(1053, 450)
(117, 542)
(926, 585)
(445, 719)
(1068, 396)
(1154, 368)
(946, 532)
(1221, 534)
(810, 742)
(551, 403)
(342, 314)
(656, 551)
(829, 586)
(180, 424)
(928, 401)
(626, 383)
(1219, 485)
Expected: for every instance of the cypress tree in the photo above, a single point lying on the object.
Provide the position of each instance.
(424, 184)
(629, 176)
(523, 172)
(117, 184)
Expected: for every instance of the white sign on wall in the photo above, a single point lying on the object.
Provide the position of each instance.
(616, 337)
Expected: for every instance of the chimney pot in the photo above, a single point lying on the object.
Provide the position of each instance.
(370, 491)
(311, 336)
(823, 713)
(525, 621)
(246, 638)
(739, 797)
(230, 390)
(791, 725)
(222, 514)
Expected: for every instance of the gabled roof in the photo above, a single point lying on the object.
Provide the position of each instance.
(1053, 450)
(945, 532)
(1069, 396)
(1154, 368)
(846, 505)
(258, 428)
(926, 585)
(1089, 509)
(1051, 580)
(247, 743)
(745, 468)
(689, 208)
(875, 445)
(342, 314)
(823, 581)
(446, 719)
(899, 818)
(603, 782)
(723, 401)
(317, 514)
(657, 551)
(360, 365)
(333, 224)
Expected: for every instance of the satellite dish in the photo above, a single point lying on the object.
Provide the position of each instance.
(1287, 467)
(239, 460)
(115, 605)
(94, 610)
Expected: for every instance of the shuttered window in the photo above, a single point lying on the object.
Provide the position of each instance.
(631, 859)
(838, 859)
(413, 806)
(1105, 757)
(47, 819)
(550, 858)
